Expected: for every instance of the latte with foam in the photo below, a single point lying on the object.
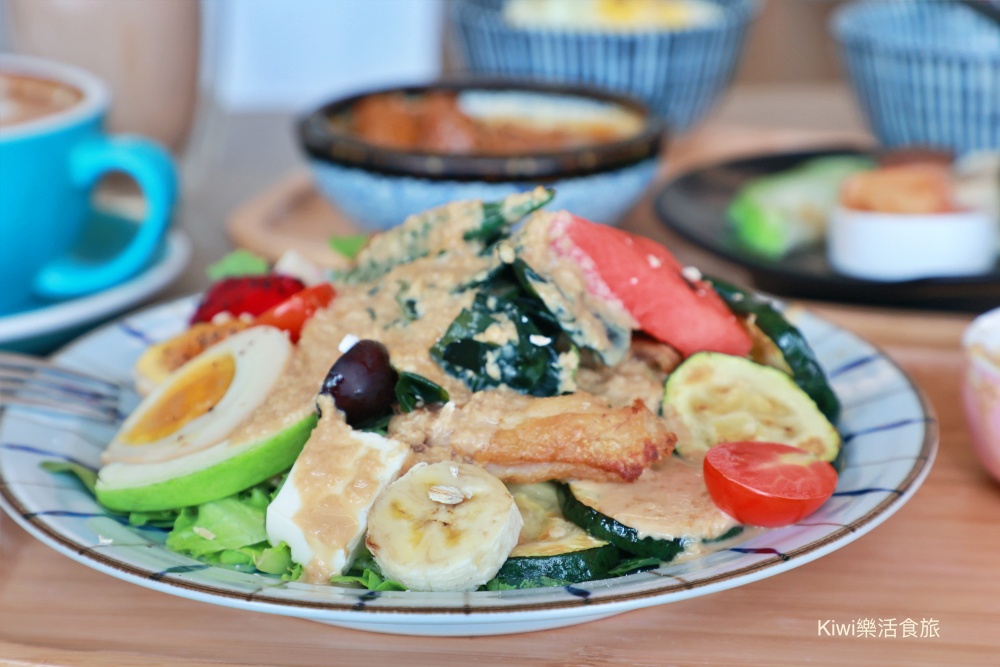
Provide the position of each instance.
(26, 98)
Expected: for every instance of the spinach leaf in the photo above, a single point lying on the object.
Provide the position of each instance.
(507, 337)
(412, 390)
(379, 425)
(498, 217)
(407, 304)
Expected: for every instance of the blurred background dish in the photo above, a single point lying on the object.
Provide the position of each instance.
(382, 155)
(924, 72)
(905, 221)
(981, 388)
(875, 245)
(42, 326)
(695, 206)
(677, 56)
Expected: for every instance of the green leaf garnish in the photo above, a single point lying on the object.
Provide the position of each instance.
(413, 390)
(238, 263)
(348, 245)
(369, 580)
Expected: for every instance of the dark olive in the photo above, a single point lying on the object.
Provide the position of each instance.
(362, 383)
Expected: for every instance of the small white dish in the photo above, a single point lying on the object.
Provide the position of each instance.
(46, 326)
(896, 246)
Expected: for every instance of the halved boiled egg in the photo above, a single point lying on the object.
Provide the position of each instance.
(159, 361)
(176, 450)
(204, 401)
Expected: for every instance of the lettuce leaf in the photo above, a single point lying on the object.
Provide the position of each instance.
(369, 580)
(365, 572)
(230, 533)
(348, 245)
(230, 523)
(159, 519)
(238, 263)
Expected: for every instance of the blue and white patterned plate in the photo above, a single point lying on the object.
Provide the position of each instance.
(890, 437)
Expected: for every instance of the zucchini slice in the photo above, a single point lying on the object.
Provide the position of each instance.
(797, 356)
(570, 567)
(551, 549)
(665, 513)
(713, 398)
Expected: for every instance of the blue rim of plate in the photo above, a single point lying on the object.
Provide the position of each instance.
(885, 485)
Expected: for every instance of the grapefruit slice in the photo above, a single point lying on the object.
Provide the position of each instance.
(676, 308)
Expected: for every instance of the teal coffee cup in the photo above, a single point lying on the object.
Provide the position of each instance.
(53, 152)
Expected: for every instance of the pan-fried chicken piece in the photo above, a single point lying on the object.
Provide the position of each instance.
(523, 439)
(614, 444)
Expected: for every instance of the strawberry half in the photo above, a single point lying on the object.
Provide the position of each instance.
(246, 294)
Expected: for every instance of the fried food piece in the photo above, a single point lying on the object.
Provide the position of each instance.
(914, 188)
(658, 355)
(522, 439)
(614, 444)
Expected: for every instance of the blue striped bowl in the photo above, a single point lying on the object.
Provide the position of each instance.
(924, 72)
(678, 73)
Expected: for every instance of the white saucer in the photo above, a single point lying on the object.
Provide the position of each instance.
(44, 328)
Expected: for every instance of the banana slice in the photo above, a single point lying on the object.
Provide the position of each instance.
(443, 527)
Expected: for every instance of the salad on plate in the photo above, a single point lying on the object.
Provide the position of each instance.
(492, 396)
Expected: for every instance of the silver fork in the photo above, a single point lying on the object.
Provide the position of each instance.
(33, 383)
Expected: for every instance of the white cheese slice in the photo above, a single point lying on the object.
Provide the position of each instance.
(322, 509)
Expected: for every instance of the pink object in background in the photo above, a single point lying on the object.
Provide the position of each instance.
(981, 387)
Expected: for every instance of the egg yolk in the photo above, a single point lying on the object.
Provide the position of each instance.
(188, 397)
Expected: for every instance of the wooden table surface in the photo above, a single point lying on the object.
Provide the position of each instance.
(934, 561)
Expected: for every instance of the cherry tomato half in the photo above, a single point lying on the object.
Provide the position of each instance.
(292, 313)
(766, 483)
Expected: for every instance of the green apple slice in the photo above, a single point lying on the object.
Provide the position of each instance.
(207, 475)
